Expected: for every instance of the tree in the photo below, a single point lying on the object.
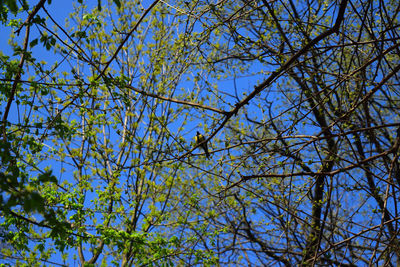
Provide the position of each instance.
(298, 102)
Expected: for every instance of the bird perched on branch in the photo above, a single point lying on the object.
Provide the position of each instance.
(201, 140)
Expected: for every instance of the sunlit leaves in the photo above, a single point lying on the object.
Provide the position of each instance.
(48, 41)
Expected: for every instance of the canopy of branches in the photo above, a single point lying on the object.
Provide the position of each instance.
(298, 102)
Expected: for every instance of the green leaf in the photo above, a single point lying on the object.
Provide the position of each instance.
(33, 43)
(118, 3)
(47, 177)
(12, 5)
(34, 202)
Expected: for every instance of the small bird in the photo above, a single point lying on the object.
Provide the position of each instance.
(201, 140)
